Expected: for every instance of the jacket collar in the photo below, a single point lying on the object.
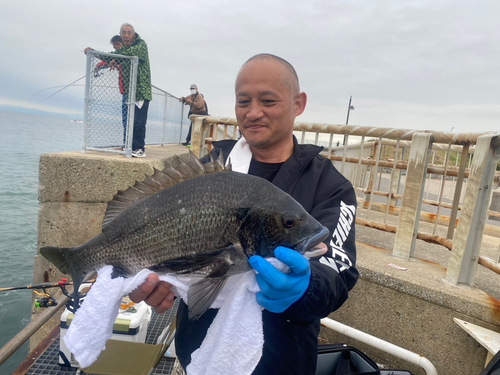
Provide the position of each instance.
(292, 169)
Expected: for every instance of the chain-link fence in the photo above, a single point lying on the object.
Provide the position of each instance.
(110, 89)
(167, 119)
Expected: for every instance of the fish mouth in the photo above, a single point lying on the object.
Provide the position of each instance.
(313, 246)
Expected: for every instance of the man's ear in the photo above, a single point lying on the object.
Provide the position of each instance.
(300, 103)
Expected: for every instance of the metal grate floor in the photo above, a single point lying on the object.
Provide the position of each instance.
(48, 362)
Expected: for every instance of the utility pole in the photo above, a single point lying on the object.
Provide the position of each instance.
(349, 108)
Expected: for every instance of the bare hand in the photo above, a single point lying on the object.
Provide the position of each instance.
(157, 294)
(113, 64)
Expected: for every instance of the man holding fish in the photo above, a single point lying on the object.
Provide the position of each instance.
(268, 99)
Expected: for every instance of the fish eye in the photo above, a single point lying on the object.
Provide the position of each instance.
(288, 220)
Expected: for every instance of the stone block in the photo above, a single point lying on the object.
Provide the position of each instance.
(96, 177)
(64, 224)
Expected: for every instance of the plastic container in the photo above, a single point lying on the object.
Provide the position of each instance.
(130, 325)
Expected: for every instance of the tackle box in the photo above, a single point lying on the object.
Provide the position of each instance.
(130, 325)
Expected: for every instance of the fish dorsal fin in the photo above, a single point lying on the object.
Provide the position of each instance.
(180, 169)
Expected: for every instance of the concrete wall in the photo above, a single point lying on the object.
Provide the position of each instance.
(413, 308)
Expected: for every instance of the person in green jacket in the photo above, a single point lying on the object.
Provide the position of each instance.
(134, 45)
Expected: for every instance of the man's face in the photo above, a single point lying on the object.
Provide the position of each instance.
(117, 45)
(128, 35)
(265, 106)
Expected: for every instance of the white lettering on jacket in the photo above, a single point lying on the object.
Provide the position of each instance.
(340, 234)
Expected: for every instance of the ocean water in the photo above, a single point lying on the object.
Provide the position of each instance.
(25, 138)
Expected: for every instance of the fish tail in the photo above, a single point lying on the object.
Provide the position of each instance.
(58, 256)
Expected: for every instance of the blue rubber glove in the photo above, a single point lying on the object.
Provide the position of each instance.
(279, 290)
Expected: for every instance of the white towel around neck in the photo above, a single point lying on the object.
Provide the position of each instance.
(240, 156)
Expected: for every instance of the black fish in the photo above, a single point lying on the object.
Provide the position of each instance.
(192, 218)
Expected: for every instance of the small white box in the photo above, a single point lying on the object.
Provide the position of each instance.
(130, 325)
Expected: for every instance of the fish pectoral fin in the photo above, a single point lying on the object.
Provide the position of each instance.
(202, 294)
(194, 263)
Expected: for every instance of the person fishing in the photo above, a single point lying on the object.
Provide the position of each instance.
(134, 45)
(197, 106)
(268, 99)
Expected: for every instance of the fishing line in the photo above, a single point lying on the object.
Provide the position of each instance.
(63, 87)
(49, 88)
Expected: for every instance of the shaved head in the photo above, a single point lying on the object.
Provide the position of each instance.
(268, 100)
(291, 80)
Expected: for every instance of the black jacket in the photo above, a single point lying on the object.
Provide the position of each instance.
(290, 338)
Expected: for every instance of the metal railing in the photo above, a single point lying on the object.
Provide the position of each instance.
(25, 334)
(407, 178)
(110, 92)
(380, 344)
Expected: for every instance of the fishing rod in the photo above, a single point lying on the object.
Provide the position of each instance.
(63, 282)
(45, 299)
(63, 88)
(53, 87)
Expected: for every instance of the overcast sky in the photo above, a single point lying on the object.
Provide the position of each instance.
(407, 64)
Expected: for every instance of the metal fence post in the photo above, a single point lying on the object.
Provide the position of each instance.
(131, 107)
(86, 101)
(182, 124)
(164, 135)
(404, 243)
(467, 239)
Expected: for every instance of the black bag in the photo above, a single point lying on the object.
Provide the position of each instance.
(493, 367)
(206, 107)
(340, 359)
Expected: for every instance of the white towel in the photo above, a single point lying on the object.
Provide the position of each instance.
(240, 156)
(93, 323)
(233, 344)
(239, 317)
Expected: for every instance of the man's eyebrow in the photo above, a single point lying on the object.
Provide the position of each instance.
(274, 93)
(269, 92)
